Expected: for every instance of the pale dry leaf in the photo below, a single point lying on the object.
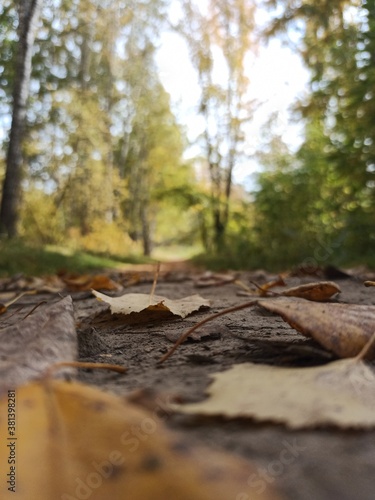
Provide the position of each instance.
(139, 302)
(93, 445)
(341, 328)
(341, 393)
(30, 346)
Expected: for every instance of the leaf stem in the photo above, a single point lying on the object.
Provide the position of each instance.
(185, 335)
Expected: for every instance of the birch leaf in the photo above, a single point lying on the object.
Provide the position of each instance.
(144, 303)
(341, 328)
(74, 441)
(341, 393)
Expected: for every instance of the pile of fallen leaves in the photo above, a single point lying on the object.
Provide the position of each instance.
(90, 444)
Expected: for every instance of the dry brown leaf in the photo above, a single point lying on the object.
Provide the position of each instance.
(74, 441)
(87, 282)
(45, 284)
(263, 290)
(341, 393)
(318, 292)
(45, 337)
(141, 302)
(341, 328)
(209, 279)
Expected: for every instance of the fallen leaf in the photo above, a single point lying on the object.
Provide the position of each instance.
(328, 272)
(45, 337)
(143, 303)
(213, 279)
(341, 328)
(74, 441)
(318, 292)
(87, 282)
(341, 393)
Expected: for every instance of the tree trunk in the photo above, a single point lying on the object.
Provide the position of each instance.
(29, 11)
(146, 237)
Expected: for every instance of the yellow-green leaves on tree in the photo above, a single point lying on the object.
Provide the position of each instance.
(144, 304)
(341, 328)
(76, 442)
(340, 393)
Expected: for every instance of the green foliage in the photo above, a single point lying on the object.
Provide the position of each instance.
(317, 206)
(105, 154)
(223, 31)
(103, 148)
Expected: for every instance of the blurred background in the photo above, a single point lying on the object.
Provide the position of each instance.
(238, 133)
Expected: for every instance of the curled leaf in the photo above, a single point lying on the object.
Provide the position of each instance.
(341, 328)
(318, 292)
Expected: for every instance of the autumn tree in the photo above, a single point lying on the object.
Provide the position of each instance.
(28, 14)
(336, 43)
(220, 34)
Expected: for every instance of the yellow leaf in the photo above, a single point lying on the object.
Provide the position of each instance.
(76, 442)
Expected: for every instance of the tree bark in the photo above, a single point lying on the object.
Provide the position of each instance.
(29, 11)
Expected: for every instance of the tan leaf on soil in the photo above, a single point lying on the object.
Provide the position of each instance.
(74, 441)
(213, 279)
(341, 328)
(45, 337)
(340, 393)
(141, 302)
(84, 282)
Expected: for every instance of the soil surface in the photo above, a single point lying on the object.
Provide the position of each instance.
(328, 463)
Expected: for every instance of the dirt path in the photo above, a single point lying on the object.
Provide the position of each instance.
(323, 464)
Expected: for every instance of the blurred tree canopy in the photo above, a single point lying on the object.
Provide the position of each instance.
(102, 145)
(102, 162)
(318, 204)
